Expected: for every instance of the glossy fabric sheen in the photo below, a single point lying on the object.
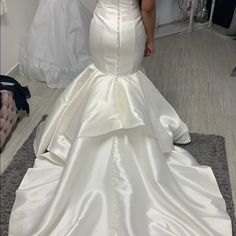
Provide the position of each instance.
(106, 164)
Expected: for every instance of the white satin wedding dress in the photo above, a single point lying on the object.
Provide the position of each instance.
(106, 164)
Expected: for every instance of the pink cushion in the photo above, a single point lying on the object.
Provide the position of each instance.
(8, 115)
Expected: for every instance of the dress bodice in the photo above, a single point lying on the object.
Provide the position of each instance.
(125, 9)
(122, 3)
(117, 37)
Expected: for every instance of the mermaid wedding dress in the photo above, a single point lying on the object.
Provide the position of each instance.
(105, 160)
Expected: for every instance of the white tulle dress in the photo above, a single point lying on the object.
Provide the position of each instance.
(56, 47)
(106, 164)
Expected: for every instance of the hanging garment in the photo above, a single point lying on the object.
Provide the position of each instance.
(56, 48)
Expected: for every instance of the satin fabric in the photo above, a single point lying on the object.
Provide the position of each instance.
(106, 163)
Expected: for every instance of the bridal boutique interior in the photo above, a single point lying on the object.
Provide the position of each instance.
(192, 70)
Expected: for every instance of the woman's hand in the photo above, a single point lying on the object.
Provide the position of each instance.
(148, 9)
(149, 48)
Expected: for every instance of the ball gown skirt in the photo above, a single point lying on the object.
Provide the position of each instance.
(105, 161)
(55, 49)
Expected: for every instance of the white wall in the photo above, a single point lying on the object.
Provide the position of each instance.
(14, 25)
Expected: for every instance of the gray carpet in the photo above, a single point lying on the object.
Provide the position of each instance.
(207, 150)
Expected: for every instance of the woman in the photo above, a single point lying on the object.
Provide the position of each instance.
(106, 163)
(56, 48)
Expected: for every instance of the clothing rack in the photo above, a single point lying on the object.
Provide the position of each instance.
(180, 27)
(209, 22)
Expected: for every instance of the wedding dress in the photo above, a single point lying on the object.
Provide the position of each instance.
(105, 160)
(56, 47)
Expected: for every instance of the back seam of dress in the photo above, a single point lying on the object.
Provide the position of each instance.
(118, 39)
(114, 216)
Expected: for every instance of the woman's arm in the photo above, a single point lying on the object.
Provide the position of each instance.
(148, 8)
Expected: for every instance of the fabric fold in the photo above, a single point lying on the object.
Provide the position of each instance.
(120, 179)
(96, 104)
